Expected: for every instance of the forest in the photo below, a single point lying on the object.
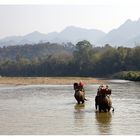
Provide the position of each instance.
(82, 59)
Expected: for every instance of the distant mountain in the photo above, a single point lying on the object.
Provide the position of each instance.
(126, 35)
(10, 40)
(35, 37)
(75, 34)
(32, 38)
(69, 34)
(133, 42)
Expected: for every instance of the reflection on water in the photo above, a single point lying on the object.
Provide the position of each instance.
(79, 115)
(52, 109)
(79, 107)
(103, 120)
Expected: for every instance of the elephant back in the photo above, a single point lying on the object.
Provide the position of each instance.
(105, 100)
(79, 95)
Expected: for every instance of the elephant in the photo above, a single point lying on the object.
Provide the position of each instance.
(104, 103)
(79, 93)
(79, 96)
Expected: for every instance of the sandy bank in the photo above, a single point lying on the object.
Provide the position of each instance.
(47, 80)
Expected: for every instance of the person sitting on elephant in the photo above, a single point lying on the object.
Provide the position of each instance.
(103, 100)
(76, 86)
(79, 92)
(81, 86)
(103, 91)
(99, 90)
(108, 91)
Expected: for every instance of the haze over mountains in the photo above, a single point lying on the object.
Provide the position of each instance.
(128, 35)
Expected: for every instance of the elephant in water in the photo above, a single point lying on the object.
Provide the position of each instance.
(79, 96)
(104, 103)
(79, 93)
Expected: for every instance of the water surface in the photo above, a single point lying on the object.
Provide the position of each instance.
(52, 109)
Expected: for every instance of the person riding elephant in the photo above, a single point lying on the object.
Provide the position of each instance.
(79, 92)
(103, 91)
(103, 100)
(81, 86)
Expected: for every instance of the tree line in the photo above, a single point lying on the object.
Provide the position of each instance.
(82, 59)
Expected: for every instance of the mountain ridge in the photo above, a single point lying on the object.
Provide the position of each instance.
(127, 31)
(69, 34)
(127, 34)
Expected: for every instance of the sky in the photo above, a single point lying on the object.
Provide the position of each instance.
(23, 18)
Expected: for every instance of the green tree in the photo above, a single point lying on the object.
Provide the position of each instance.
(82, 56)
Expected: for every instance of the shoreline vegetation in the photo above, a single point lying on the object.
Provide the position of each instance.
(127, 75)
(68, 60)
(48, 80)
(82, 59)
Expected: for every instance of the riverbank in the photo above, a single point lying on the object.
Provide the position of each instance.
(128, 75)
(48, 80)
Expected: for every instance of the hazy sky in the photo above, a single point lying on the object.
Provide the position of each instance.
(23, 19)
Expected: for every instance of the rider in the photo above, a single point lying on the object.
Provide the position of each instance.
(108, 91)
(76, 86)
(104, 90)
(81, 86)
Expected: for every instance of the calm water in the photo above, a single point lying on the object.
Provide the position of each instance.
(52, 109)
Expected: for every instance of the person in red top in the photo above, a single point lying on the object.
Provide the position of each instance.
(108, 91)
(81, 86)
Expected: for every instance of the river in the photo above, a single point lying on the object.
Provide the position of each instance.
(52, 110)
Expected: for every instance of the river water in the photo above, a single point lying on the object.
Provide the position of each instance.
(52, 109)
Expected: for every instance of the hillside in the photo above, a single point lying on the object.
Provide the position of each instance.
(126, 35)
(42, 50)
(69, 34)
(82, 59)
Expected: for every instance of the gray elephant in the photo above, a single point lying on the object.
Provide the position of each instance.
(103, 102)
(79, 94)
